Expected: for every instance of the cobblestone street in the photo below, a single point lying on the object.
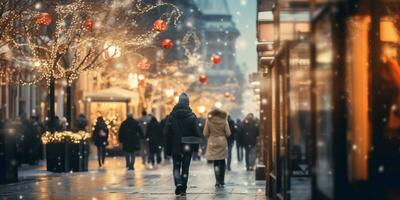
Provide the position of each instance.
(113, 182)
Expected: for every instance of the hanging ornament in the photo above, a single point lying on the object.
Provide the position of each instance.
(227, 95)
(44, 19)
(216, 59)
(160, 25)
(144, 64)
(88, 24)
(233, 99)
(167, 44)
(203, 79)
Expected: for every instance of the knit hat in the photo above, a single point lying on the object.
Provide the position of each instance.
(183, 99)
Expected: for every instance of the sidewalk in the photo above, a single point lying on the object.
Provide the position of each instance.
(113, 182)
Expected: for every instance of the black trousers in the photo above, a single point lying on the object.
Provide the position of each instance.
(219, 170)
(181, 165)
(101, 154)
(130, 160)
(153, 156)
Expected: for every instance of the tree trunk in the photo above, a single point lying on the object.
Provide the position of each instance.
(51, 105)
(69, 106)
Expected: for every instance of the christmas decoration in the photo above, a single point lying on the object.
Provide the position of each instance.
(44, 19)
(216, 59)
(65, 136)
(144, 64)
(88, 24)
(233, 99)
(203, 79)
(167, 43)
(160, 25)
(227, 94)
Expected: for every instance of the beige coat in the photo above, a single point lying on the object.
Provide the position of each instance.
(216, 130)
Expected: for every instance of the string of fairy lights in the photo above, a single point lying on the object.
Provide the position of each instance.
(71, 39)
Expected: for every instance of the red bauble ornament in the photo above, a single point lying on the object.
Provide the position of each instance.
(88, 24)
(167, 44)
(160, 25)
(227, 95)
(203, 79)
(44, 19)
(144, 64)
(216, 59)
(233, 99)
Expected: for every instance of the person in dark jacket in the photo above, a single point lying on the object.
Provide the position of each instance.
(155, 139)
(231, 140)
(183, 135)
(162, 126)
(249, 140)
(143, 122)
(81, 122)
(239, 146)
(100, 139)
(129, 135)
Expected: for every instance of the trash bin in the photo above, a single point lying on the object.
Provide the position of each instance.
(8, 156)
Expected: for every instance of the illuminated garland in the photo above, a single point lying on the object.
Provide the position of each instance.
(65, 136)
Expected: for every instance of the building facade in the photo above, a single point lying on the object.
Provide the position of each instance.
(329, 131)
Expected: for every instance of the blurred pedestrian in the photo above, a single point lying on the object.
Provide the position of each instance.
(203, 144)
(231, 140)
(81, 122)
(249, 140)
(39, 129)
(162, 126)
(129, 135)
(100, 138)
(155, 139)
(143, 122)
(216, 130)
(183, 135)
(28, 142)
(238, 141)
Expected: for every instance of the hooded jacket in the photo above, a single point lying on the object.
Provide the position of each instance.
(181, 128)
(217, 131)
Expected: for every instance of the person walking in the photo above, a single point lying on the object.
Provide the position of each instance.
(249, 140)
(155, 139)
(143, 122)
(81, 122)
(238, 142)
(100, 139)
(164, 142)
(183, 135)
(129, 135)
(216, 130)
(231, 140)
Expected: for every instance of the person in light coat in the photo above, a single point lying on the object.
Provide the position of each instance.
(216, 130)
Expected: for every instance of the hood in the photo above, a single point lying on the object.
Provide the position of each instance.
(182, 111)
(217, 116)
(183, 99)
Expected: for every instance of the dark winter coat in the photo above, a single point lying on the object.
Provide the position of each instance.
(129, 135)
(182, 128)
(249, 132)
(98, 139)
(238, 132)
(231, 138)
(154, 136)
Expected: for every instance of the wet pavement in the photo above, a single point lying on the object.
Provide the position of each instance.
(113, 182)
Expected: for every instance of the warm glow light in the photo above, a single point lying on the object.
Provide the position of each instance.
(169, 92)
(201, 109)
(218, 104)
(111, 51)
